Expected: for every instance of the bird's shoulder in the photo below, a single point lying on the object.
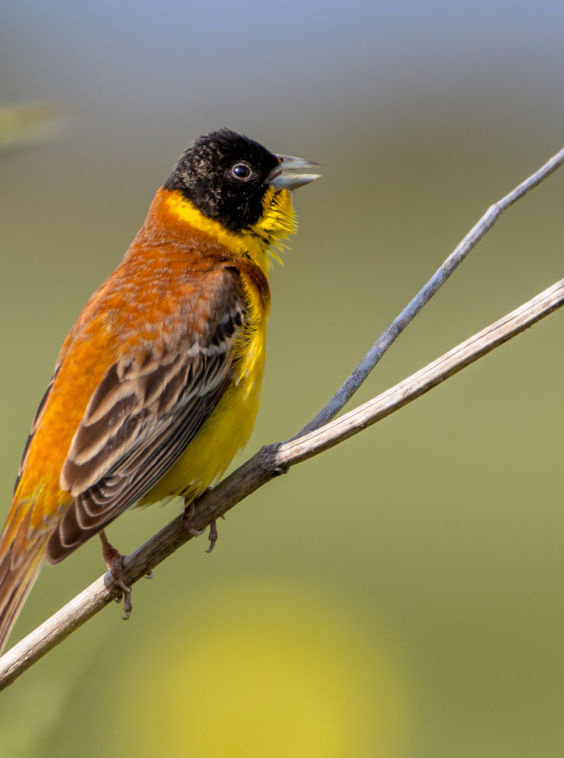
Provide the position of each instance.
(135, 327)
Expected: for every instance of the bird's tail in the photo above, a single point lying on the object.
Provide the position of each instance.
(19, 568)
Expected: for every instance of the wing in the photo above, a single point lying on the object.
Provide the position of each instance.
(142, 416)
(34, 425)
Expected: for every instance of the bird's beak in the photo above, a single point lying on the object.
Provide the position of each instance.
(291, 173)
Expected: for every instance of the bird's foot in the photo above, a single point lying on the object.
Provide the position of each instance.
(114, 561)
(212, 536)
(187, 521)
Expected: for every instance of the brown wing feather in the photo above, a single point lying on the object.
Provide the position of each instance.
(34, 425)
(139, 421)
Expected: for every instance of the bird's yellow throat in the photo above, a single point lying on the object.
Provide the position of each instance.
(261, 242)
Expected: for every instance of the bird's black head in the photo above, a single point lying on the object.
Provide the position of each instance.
(225, 175)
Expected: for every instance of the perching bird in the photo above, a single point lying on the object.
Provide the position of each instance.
(157, 385)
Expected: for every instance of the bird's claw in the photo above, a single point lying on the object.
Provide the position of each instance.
(212, 536)
(187, 520)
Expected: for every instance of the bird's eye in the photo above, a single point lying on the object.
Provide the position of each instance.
(242, 171)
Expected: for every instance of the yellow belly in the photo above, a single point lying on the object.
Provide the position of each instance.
(225, 432)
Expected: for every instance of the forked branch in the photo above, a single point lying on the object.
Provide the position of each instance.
(317, 436)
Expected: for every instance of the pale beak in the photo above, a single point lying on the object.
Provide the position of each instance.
(291, 173)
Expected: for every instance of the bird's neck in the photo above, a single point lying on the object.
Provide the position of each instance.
(173, 217)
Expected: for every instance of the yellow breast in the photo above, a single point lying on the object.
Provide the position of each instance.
(225, 432)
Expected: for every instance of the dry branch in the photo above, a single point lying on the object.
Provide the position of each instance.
(388, 337)
(268, 463)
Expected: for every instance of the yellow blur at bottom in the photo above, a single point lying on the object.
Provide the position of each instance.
(261, 670)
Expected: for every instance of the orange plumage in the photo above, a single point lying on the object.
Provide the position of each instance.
(157, 385)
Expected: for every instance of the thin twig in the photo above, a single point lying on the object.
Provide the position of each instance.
(264, 466)
(388, 337)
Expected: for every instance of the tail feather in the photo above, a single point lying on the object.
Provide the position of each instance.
(18, 573)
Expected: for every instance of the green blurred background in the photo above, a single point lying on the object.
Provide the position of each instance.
(400, 595)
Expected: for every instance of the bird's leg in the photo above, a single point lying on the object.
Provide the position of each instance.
(114, 561)
(188, 516)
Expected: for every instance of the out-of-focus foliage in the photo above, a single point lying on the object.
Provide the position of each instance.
(27, 123)
(273, 670)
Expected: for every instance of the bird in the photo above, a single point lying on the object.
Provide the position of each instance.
(157, 385)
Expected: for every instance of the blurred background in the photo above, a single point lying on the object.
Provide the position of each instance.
(400, 595)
